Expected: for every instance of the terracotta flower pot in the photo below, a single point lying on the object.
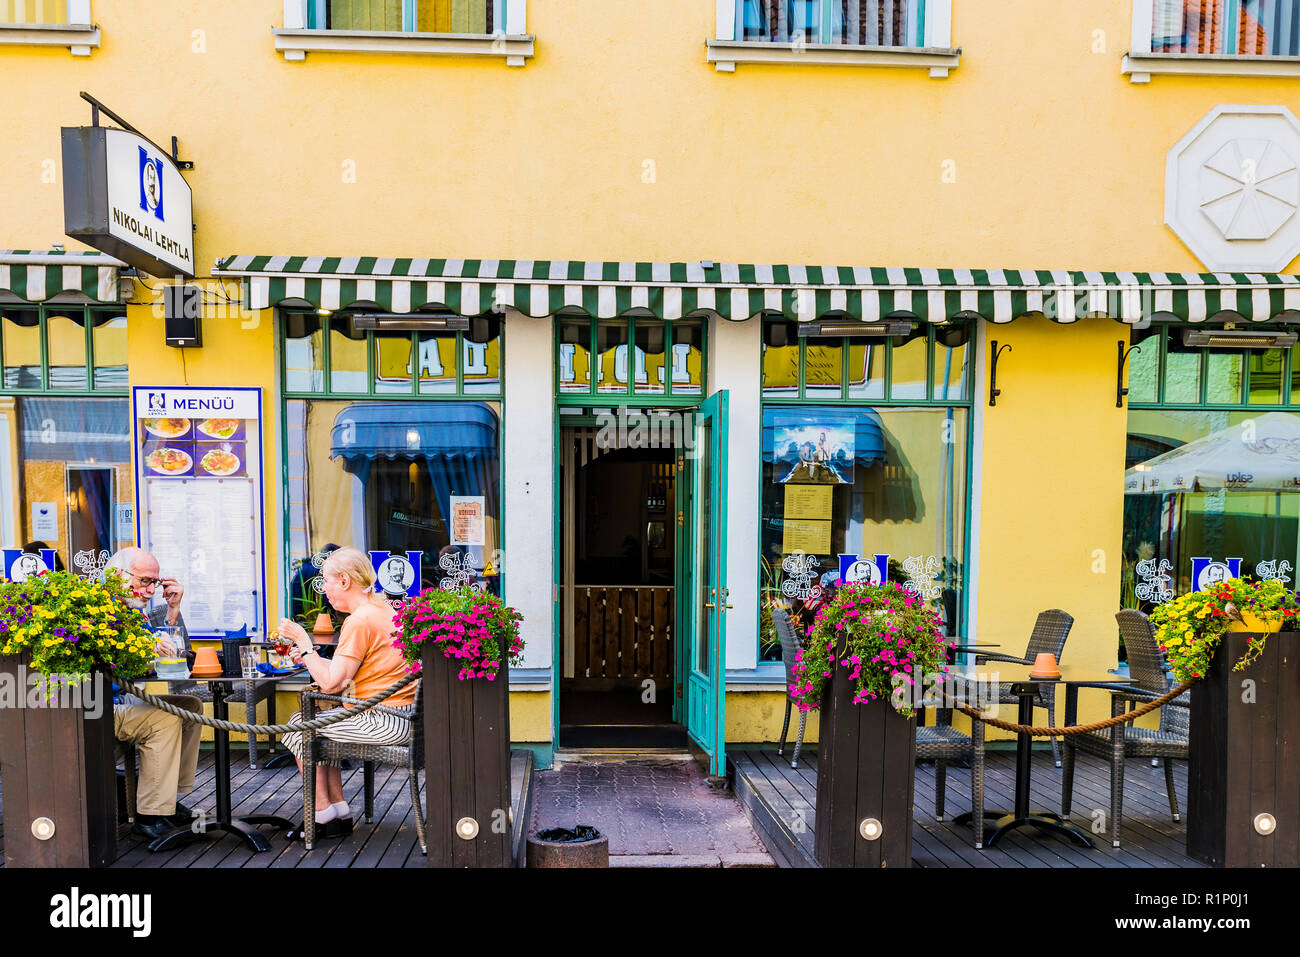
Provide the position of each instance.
(206, 664)
(324, 625)
(1045, 666)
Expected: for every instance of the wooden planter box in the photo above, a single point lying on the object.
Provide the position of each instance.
(1245, 757)
(57, 763)
(466, 764)
(866, 764)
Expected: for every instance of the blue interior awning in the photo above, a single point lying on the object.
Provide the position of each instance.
(83, 431)
(415, 430)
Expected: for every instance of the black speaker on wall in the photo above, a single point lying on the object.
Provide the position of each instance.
(182, 315)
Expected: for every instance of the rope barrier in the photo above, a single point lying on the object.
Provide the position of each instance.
(1074, 728)
(314, 725)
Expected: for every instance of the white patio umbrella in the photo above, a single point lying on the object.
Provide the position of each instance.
(1264, 458)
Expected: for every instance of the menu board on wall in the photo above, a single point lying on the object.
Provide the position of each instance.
(199, 500)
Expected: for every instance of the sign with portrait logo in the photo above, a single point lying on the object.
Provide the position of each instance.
(199, 500)
(1208, 572)
(397, 574)
(125, 196)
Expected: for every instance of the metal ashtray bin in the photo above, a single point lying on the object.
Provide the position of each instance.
(577, 846)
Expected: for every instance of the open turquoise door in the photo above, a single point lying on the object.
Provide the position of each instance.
(704, 599)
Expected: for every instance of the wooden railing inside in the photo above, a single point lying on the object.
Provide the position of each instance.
(623, 631)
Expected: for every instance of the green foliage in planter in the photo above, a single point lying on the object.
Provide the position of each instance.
(470, 625)
(1189, 628)
(72, 626)
(886, 640)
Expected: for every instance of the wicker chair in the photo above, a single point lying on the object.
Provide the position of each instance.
(317, 748)
(941, 743)
(790, 646)
(1050, 631)
(1170, 740)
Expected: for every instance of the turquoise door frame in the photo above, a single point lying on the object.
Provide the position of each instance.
(702, 602)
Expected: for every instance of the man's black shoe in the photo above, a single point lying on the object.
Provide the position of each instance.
(146, 825)
(183, 816)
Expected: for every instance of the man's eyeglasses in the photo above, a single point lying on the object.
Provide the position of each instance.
(146, 582)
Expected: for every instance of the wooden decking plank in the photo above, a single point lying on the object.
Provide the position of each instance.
(389, 790)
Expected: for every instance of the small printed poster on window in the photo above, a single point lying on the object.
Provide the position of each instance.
(200, 499)
(467, 519)
(808, 501)
(806, 535)
(45, 521)
(813, 454)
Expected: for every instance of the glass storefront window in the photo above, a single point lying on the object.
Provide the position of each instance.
(1223, 377)
(481, 360)
(304, 353)
(1144, 366)
(575, 357)
(780, 360)
(1182, 373)
(611, 356)
(688, 357)
(908, 375)
(22, 348)
(823, 368)
(398, 478)
(72, 458)
(651, 376)
(1207, 484)
(884, 485)
(866, 369)
(393, 363)
(348, 366)
(108, 332)
(1265, 376)
(66, 342)
(951, 353)
(437, 354)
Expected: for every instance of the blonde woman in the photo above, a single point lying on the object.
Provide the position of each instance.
(364, 664)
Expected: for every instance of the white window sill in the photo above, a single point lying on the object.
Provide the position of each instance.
(296, 44)
(725, 54)
(1140, 66)
(79, 38)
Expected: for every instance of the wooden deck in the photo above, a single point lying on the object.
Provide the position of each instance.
(390, 841)
(781, 803)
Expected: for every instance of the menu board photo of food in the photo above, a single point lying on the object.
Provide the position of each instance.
(193, 448)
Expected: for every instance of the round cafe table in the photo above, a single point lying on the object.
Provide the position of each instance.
(245, 827)
(1025, 687)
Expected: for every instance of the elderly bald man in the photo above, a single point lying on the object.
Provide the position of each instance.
(169, 747)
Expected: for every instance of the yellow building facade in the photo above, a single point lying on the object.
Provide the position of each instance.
(604, 166)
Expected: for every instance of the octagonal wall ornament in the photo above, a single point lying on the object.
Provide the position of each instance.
(1232, 189)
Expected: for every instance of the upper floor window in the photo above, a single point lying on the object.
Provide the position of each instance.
(63, 348)
(418, 16)
(1226, 27)
(890, 23)
(59, 23)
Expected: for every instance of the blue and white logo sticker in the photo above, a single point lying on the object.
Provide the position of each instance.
(395, 574)
(856, 569)
(20, 565)
(151, 184)
(1207, 572)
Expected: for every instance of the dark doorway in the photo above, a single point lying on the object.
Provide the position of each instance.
(618, 524)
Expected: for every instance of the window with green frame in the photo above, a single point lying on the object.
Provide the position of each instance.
(330, 354)
(616, 359)
(865, 454)
(419, 16)
(63, 348)
(1212, 464)
(392, 443)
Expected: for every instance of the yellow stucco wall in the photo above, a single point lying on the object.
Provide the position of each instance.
(618, 141)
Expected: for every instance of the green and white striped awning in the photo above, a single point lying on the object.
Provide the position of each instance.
(35, 276)
(738, 291)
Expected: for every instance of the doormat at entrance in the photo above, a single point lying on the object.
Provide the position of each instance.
(623, 736)
(662, 815)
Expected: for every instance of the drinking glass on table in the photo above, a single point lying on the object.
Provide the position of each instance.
(169, 646)
(249, 656)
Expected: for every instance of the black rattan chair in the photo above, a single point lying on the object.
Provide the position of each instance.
(1147, 670)
(790, 646)
(1051, 629)
(941, 743)
(317, 748)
